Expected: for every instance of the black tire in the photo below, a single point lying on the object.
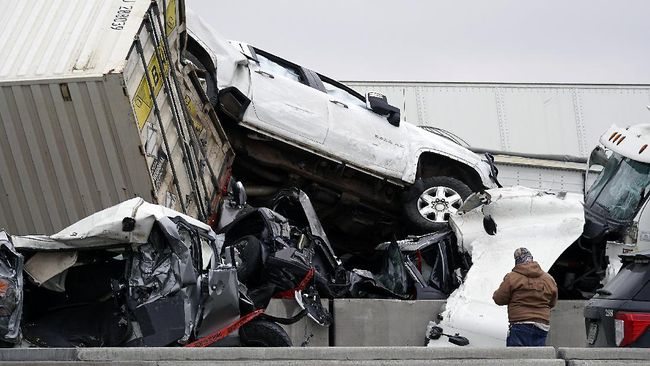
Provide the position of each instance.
(210, 81)
(249, 266)
(438, 219)
(263, 333)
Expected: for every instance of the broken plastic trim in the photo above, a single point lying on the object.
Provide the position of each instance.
(436, 332)
(233, 102)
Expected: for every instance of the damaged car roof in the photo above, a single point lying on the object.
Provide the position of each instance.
(129, 222)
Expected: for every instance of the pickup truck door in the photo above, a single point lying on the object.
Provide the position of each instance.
(360, 136)
(284, 104)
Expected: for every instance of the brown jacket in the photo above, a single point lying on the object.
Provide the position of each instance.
(529, 292)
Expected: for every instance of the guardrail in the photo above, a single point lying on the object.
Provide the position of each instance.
(326, 356)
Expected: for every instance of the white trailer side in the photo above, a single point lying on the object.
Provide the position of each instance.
(558, 119)
(557, 124)
(84, 127)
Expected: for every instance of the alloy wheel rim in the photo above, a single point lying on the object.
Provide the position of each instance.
(436, 204)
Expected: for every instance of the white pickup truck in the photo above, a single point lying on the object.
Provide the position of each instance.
(292, 125)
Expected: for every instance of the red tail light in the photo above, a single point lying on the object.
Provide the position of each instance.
(630, 326)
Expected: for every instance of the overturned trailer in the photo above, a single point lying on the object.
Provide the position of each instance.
(100, 106)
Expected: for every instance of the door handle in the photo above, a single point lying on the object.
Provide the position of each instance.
(265, 74)
(341, 104)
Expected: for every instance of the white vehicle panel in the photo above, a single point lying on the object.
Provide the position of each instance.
(227, 59)
(631, 142)
(365, 139)
(288, 107)
(544, 223)
(104, 228)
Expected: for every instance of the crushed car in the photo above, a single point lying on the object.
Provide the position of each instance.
(283, 251)
(135, 274)
(490, 230)
(291, 126)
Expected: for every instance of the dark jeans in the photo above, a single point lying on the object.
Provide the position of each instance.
(525, 335)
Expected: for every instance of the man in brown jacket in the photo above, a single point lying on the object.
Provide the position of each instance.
(530, 293)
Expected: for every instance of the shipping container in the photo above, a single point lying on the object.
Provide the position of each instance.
(96, 107)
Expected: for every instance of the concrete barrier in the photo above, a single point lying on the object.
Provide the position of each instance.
(378, 322)
(327, 356)
(287, 356)
(567, 325)
(605, 356)
(374, 322)
(305, 332)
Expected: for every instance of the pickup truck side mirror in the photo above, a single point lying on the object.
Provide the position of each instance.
(378, 103)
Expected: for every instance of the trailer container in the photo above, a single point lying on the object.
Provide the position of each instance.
(96, 107)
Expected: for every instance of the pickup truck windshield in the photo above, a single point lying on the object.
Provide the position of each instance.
(618, 190)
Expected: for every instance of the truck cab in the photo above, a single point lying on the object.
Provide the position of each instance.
(615, 204)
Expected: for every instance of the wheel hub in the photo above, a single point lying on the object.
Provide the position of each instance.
(436, 204)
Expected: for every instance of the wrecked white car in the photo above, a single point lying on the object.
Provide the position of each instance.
(546, 223)
(292, 126)
(134, 274)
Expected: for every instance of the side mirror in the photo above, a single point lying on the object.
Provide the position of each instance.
(598, 157)
(378, 103)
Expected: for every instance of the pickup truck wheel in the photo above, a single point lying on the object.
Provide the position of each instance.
(430, 202)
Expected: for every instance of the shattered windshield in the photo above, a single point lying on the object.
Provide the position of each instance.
(619, 187)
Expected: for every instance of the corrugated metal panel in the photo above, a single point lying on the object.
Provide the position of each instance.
(48, 39)
(523, 118)
(62, 160)
(72, 146)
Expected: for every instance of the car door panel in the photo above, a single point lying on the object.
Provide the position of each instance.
(362, 137)
(287, 107)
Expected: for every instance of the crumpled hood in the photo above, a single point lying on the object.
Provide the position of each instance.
(105, 228)
(530, 269)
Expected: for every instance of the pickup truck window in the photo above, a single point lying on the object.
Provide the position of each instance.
(340, 93)
(277, 69)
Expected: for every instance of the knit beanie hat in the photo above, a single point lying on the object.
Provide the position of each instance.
(522, 255)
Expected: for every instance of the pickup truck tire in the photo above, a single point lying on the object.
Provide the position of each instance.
(430, 202)
(263, 333)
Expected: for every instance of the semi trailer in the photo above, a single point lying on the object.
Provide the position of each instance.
(98, 105)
